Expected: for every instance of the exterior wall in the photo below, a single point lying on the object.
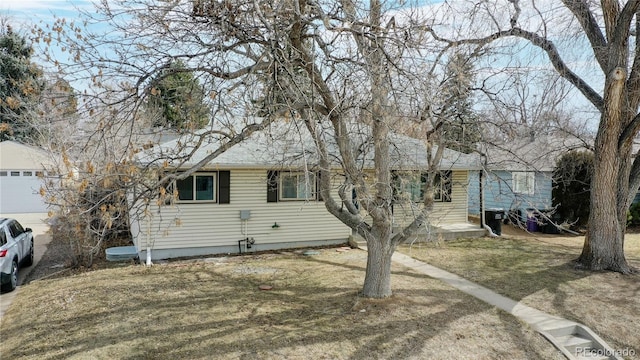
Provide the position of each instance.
(19, 184)
(20, 192)
(498, 193)
(443, 213)
(207, 228)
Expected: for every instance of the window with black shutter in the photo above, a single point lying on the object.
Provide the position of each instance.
(202, 187)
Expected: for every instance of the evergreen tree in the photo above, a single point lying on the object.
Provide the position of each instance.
(460, 127)
(20, 86)
(179, 98)
(572, 186)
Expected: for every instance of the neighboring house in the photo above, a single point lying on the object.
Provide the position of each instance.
(518, 174)
(22, 168)
(262, 194)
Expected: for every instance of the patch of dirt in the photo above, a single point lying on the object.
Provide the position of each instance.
(55, 261)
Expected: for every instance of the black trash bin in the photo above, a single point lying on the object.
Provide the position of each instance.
(493, 218)
(549, 227)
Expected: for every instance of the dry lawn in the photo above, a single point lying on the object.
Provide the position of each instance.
(538, 270)
(214, 309)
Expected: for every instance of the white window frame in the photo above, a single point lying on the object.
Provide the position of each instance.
(439, 187)
(410, 183)
(413, 181)
(306, 179)
(523, 182)
(194, 190)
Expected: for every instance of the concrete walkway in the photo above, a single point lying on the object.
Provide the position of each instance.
(563, 334)
(41, 239)
(536, 318)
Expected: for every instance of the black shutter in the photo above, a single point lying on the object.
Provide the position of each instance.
(318, 186)
(446, 178)
(272, 186)
(224, 187)
(395, 184)
(424, 178)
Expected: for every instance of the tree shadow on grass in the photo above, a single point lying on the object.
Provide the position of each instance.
(197, 311)
(545, 277)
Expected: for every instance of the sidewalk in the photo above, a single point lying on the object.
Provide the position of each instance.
(571, 338)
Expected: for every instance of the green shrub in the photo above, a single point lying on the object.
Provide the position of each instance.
(633, 217)
(572, 186)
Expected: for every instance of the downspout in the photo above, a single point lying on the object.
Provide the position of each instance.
(482, 219)
(148, 262)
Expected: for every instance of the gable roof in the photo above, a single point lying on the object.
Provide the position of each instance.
(529, 154)
(282, 146)
(18, 156)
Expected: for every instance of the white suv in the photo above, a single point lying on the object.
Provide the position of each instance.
(16, 248)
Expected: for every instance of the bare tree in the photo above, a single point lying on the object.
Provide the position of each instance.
(606, 30)
(352, 72)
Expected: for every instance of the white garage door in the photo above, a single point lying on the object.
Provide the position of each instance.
(20, 192)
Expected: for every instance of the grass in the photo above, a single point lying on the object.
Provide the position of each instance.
(215, 310)
(539, 271)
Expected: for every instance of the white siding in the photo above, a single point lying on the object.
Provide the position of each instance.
(218, 225)
(443, 212)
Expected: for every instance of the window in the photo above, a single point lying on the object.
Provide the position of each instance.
(523, 182)
(290, 186)
(15, 173)
(3, 173)
(203, 187)
(15, 229)
(3, 237)
(198, 187)
(442, 186)
(297, 186)
(27, 173)
(411, 185)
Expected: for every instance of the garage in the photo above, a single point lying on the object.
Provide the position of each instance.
(22, 168)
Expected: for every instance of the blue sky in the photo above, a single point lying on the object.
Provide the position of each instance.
(25, 12)
(23, 15)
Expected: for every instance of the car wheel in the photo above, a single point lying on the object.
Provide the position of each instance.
(28, 261)
(13, 279)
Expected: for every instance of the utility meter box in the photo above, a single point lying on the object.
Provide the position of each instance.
(245, 214)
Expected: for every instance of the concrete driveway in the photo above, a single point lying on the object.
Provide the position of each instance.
(41, 239)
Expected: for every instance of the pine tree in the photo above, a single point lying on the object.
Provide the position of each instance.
(20, 86)
(460, 127)
(179, 98)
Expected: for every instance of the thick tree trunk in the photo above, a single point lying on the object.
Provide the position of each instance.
(604, 244)
(377, 281)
